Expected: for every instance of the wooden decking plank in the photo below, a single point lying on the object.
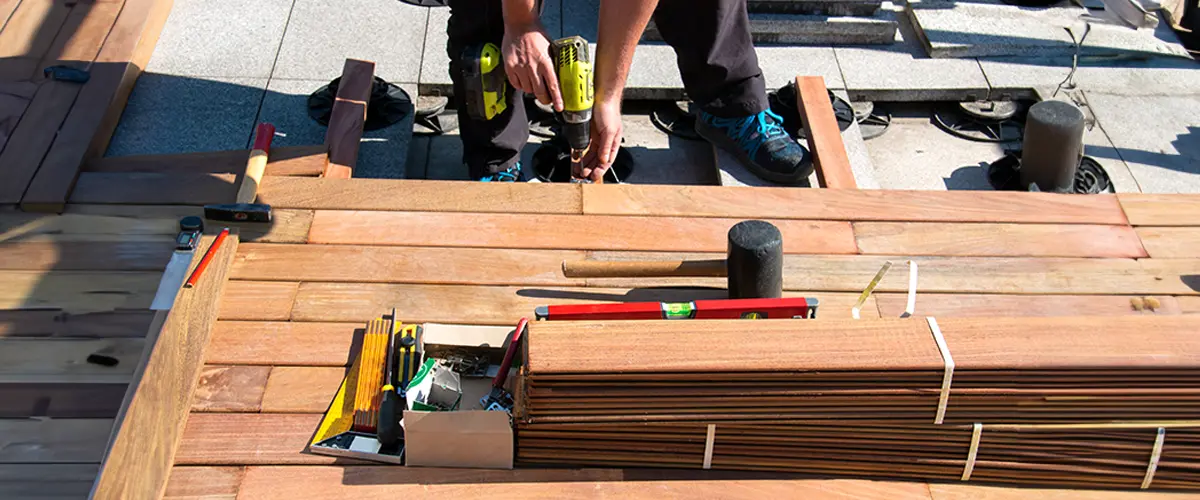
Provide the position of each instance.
(154, 189)
(82, 33)
(573, 232)
(64, 361)
(1188, 305)
(87, 256)
(377, 264)
(420, 195)
(286, 226)
(33, 136)
(979, 492)
(261, 438)
(53, 440)
(487, 305)
(298, 389)
(60, 400)
(854, 205)
(131, 324)
(823, 134)
(997, 240)
(1171, 242)
(230, 388)
(282, 343)
(204, 483)
(1161, 209)
(258, 300)
(384, 482)
(46, 481)
(14, 100)
(348, 116)
(87, 129)
(151, 421)
(304, 161)
(984, 275)
(31, 28)
(77, 292)
(891, 305)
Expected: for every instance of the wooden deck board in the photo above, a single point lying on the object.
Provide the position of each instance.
(206, 483)
(230, 388)
(1171, 242)
(282, 343)
(64, 361)
(998, 240)
(262, 438)
(1161, 210)
(891, 305)
(46, 481)
(53, 440)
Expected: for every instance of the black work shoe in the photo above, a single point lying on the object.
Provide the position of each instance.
(760, 144)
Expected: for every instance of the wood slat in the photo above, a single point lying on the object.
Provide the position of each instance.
(61, 324)
(997, 240)
(14, 99)
(378, 264)
(575, 232)
(53, 440)
(383, 482)
(1171, 242)
(486, 305)
(348, 116)
(1188, 305)
(137, 188)
(46, 481)
(143, 446)
(983, 275)
(978, 492)
(302, 161)
(784, 345)
(204, 483)
(129, 255)
(282, 343)
(230, 388)
(420, 195)
(77, 292)
(823, 134)
(31, 28)
(286, 226)
(82, 33)
(1161, 209)
(64, 361)
(87, 129)
(892, 305)
(855, 205)
(258, 300)
(262, 438)
(60, 400)
(32, 137)
(299, 389)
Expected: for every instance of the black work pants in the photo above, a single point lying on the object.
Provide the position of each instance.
(712, 44)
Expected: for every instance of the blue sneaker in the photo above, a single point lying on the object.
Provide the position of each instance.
(761, 145)
(512, 174)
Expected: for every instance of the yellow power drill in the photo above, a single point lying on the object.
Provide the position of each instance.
(573, 64)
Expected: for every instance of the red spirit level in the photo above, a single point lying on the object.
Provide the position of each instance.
(786, 308)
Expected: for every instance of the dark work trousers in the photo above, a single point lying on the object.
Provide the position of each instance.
(712, 43)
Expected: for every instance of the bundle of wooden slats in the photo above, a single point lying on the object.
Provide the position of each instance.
(1061, 401)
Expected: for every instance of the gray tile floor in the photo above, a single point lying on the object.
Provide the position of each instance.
(222, 65)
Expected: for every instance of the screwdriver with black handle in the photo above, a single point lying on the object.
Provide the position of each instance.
(388, 428)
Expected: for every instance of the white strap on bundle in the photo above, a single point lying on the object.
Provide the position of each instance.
(948, 375)
(912, 290)
(708, 445)
(969, 467)
(1154, 456)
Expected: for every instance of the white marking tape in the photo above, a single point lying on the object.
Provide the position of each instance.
(969, 467)
(948, 375)
(1154, 456)
(708, 445)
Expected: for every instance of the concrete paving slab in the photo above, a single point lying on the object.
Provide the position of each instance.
(914, 154)
(382, 154)
(321, 35)
(1157, 136)
(1015, 77)
(811, 29)
(664, 159)
(902, 72)
(221, 38)
(177, 114)
(781, 65)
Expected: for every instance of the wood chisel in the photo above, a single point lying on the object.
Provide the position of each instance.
(176, 270)
(785, 308)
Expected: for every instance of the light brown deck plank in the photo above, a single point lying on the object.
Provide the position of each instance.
(891, 305)
(230, 388)
(998, 240)
(204, 483)
(1171, 242)
(1161, 209)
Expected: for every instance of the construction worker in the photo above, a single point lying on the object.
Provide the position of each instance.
(716, 59)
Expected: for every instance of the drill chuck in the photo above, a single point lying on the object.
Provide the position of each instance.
(577, 129)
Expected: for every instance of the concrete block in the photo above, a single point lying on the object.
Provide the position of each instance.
(382, 154)
(1014, 77)
(902, 72)
(177, 114)
(664, 159)
(781, 65)
(654, 73)
(811, 29)
(914, 154)
(983, 29)
(1158, 137)
(321, 35)
(816, 7)
(221, 38)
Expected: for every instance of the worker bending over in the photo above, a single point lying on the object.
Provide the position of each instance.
(716, 59)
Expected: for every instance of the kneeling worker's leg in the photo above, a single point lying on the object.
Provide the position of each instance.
(492, 140)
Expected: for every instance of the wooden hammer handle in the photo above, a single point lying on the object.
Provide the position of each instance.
(257, 164)
(644, 269)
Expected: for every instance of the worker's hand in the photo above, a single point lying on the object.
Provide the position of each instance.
(527, 63)
(606, 141)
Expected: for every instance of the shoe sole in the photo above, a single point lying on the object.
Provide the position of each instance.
(720, 140)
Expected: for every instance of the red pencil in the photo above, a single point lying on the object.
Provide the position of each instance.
(208, 255)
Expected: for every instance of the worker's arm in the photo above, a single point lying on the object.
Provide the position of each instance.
(621, 25)
(526, 50)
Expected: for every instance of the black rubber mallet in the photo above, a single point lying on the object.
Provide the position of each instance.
(244, 209)
(754, 264)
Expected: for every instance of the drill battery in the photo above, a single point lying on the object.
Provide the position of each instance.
(486, 85)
